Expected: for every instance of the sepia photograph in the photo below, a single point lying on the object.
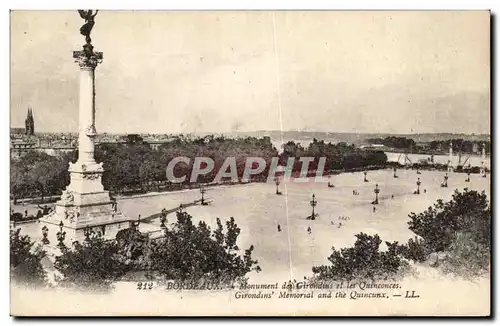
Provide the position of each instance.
(250, 163)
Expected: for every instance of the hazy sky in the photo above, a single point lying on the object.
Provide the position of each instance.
(166, 72)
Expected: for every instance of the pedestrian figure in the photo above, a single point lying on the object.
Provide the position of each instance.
(26, 213)
(374, 209)
(279, 228)
(309, 230)
(340, 224)
(425, 191)
(392, 197)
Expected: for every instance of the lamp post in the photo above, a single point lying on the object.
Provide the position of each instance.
(202, 191)
(313, 203)
(163, 219)
(61, 235)
(87, 232)
(45, 233)
(277, 183)
(376, 191)
(418, 186)
(329, 182)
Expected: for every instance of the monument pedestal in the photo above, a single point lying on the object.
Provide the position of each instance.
(85, 207)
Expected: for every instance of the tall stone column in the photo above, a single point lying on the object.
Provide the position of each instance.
(86, 173)
(87, 61)
(85, 206)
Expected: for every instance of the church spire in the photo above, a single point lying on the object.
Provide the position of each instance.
(30, 122)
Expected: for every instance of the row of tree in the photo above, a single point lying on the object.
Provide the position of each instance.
(136, 166)
(339, 156)
(37, 174)
(394, 142)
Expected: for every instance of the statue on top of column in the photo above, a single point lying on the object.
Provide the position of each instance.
(86, 28)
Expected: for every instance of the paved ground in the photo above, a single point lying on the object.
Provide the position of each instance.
(258, 211)
(293, 251)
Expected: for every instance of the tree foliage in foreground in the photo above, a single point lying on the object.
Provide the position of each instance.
(468, 212)
(362, 261)
(187, 252)
(93, 264)
(459, 230)
(26, 260)
(194, 252)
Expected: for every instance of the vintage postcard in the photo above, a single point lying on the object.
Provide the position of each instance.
(250, 163)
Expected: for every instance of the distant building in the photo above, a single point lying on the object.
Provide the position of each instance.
(30, 123)
(17, 131)
(28, 130)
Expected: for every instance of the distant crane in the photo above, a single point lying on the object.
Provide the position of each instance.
(406, 158)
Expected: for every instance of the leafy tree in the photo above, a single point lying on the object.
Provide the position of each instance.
(414, 249)
(468, 211)
(190, 252)
(93, 264)
(187, 252)
(460, 228)
(134, 248)
(25, 260)
(394, 142)
(38, 174)
(466, 257)
(363, 261)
